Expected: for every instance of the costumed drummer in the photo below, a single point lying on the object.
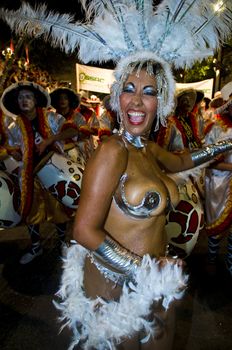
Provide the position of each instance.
(218, 190)
(85, 109)
(181, 134)
(119, 272)
(30, 136)
(108, 123)
(5, 121)
(90, 108)
(66, 102)
(9, 204)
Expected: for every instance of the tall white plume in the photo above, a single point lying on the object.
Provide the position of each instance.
(178, 31)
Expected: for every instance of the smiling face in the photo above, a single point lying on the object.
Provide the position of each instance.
(138, 102)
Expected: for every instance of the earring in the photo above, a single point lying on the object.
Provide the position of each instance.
(119, 120)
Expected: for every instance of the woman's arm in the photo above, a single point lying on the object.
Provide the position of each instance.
(175, 163)
(100, 179)
(222, 166)
(172, 162)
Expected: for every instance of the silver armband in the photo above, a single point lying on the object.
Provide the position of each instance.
(117, 257)
(209, 152)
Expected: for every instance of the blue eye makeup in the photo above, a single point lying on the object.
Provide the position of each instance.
(129, 88)
(147, 90)
(150, 90)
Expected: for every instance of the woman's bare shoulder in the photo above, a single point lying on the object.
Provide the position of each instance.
(113, 145)
(110, 153)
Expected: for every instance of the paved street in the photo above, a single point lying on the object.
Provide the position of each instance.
(28, 319)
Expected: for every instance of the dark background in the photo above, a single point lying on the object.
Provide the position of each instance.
(58, 64)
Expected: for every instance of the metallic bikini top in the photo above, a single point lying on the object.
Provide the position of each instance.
(150, 201)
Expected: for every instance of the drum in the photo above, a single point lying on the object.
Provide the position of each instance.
(199, 182)
(86, 147)
(11, 166)
(62, 177)
(9, 202)
(75, 154)
(185, 221)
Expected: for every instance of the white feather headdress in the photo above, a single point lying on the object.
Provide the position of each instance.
(132, 32)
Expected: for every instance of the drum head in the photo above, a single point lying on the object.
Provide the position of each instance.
(9, 202)
(185, 221)
(62, 177)
(43, 161)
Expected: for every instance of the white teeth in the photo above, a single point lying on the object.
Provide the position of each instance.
(136, 114)
(136, 117)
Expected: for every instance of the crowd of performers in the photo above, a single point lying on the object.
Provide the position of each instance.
(40, 131)
(46, 140)
(197, 122)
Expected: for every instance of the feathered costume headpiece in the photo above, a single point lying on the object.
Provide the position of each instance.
(133, 33)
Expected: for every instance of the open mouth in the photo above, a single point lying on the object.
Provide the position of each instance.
(136, 118)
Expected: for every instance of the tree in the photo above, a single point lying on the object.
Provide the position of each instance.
(199, 71)
(207, 68)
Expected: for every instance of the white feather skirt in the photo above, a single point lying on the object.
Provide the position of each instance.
(99, 324)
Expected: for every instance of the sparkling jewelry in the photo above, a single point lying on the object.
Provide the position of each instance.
(135, 141)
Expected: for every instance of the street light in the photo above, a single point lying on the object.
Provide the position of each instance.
(219, 6)
(7, 53)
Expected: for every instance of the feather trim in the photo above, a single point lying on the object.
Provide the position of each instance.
(60, 30)
(165, 82)
(105, 326)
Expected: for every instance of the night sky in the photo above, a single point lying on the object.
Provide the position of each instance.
(57, 58)
(72, 6)
(69, 6)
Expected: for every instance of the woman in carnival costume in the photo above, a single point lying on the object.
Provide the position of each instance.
(119, 271)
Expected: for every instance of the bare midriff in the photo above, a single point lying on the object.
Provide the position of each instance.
(139, 235)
